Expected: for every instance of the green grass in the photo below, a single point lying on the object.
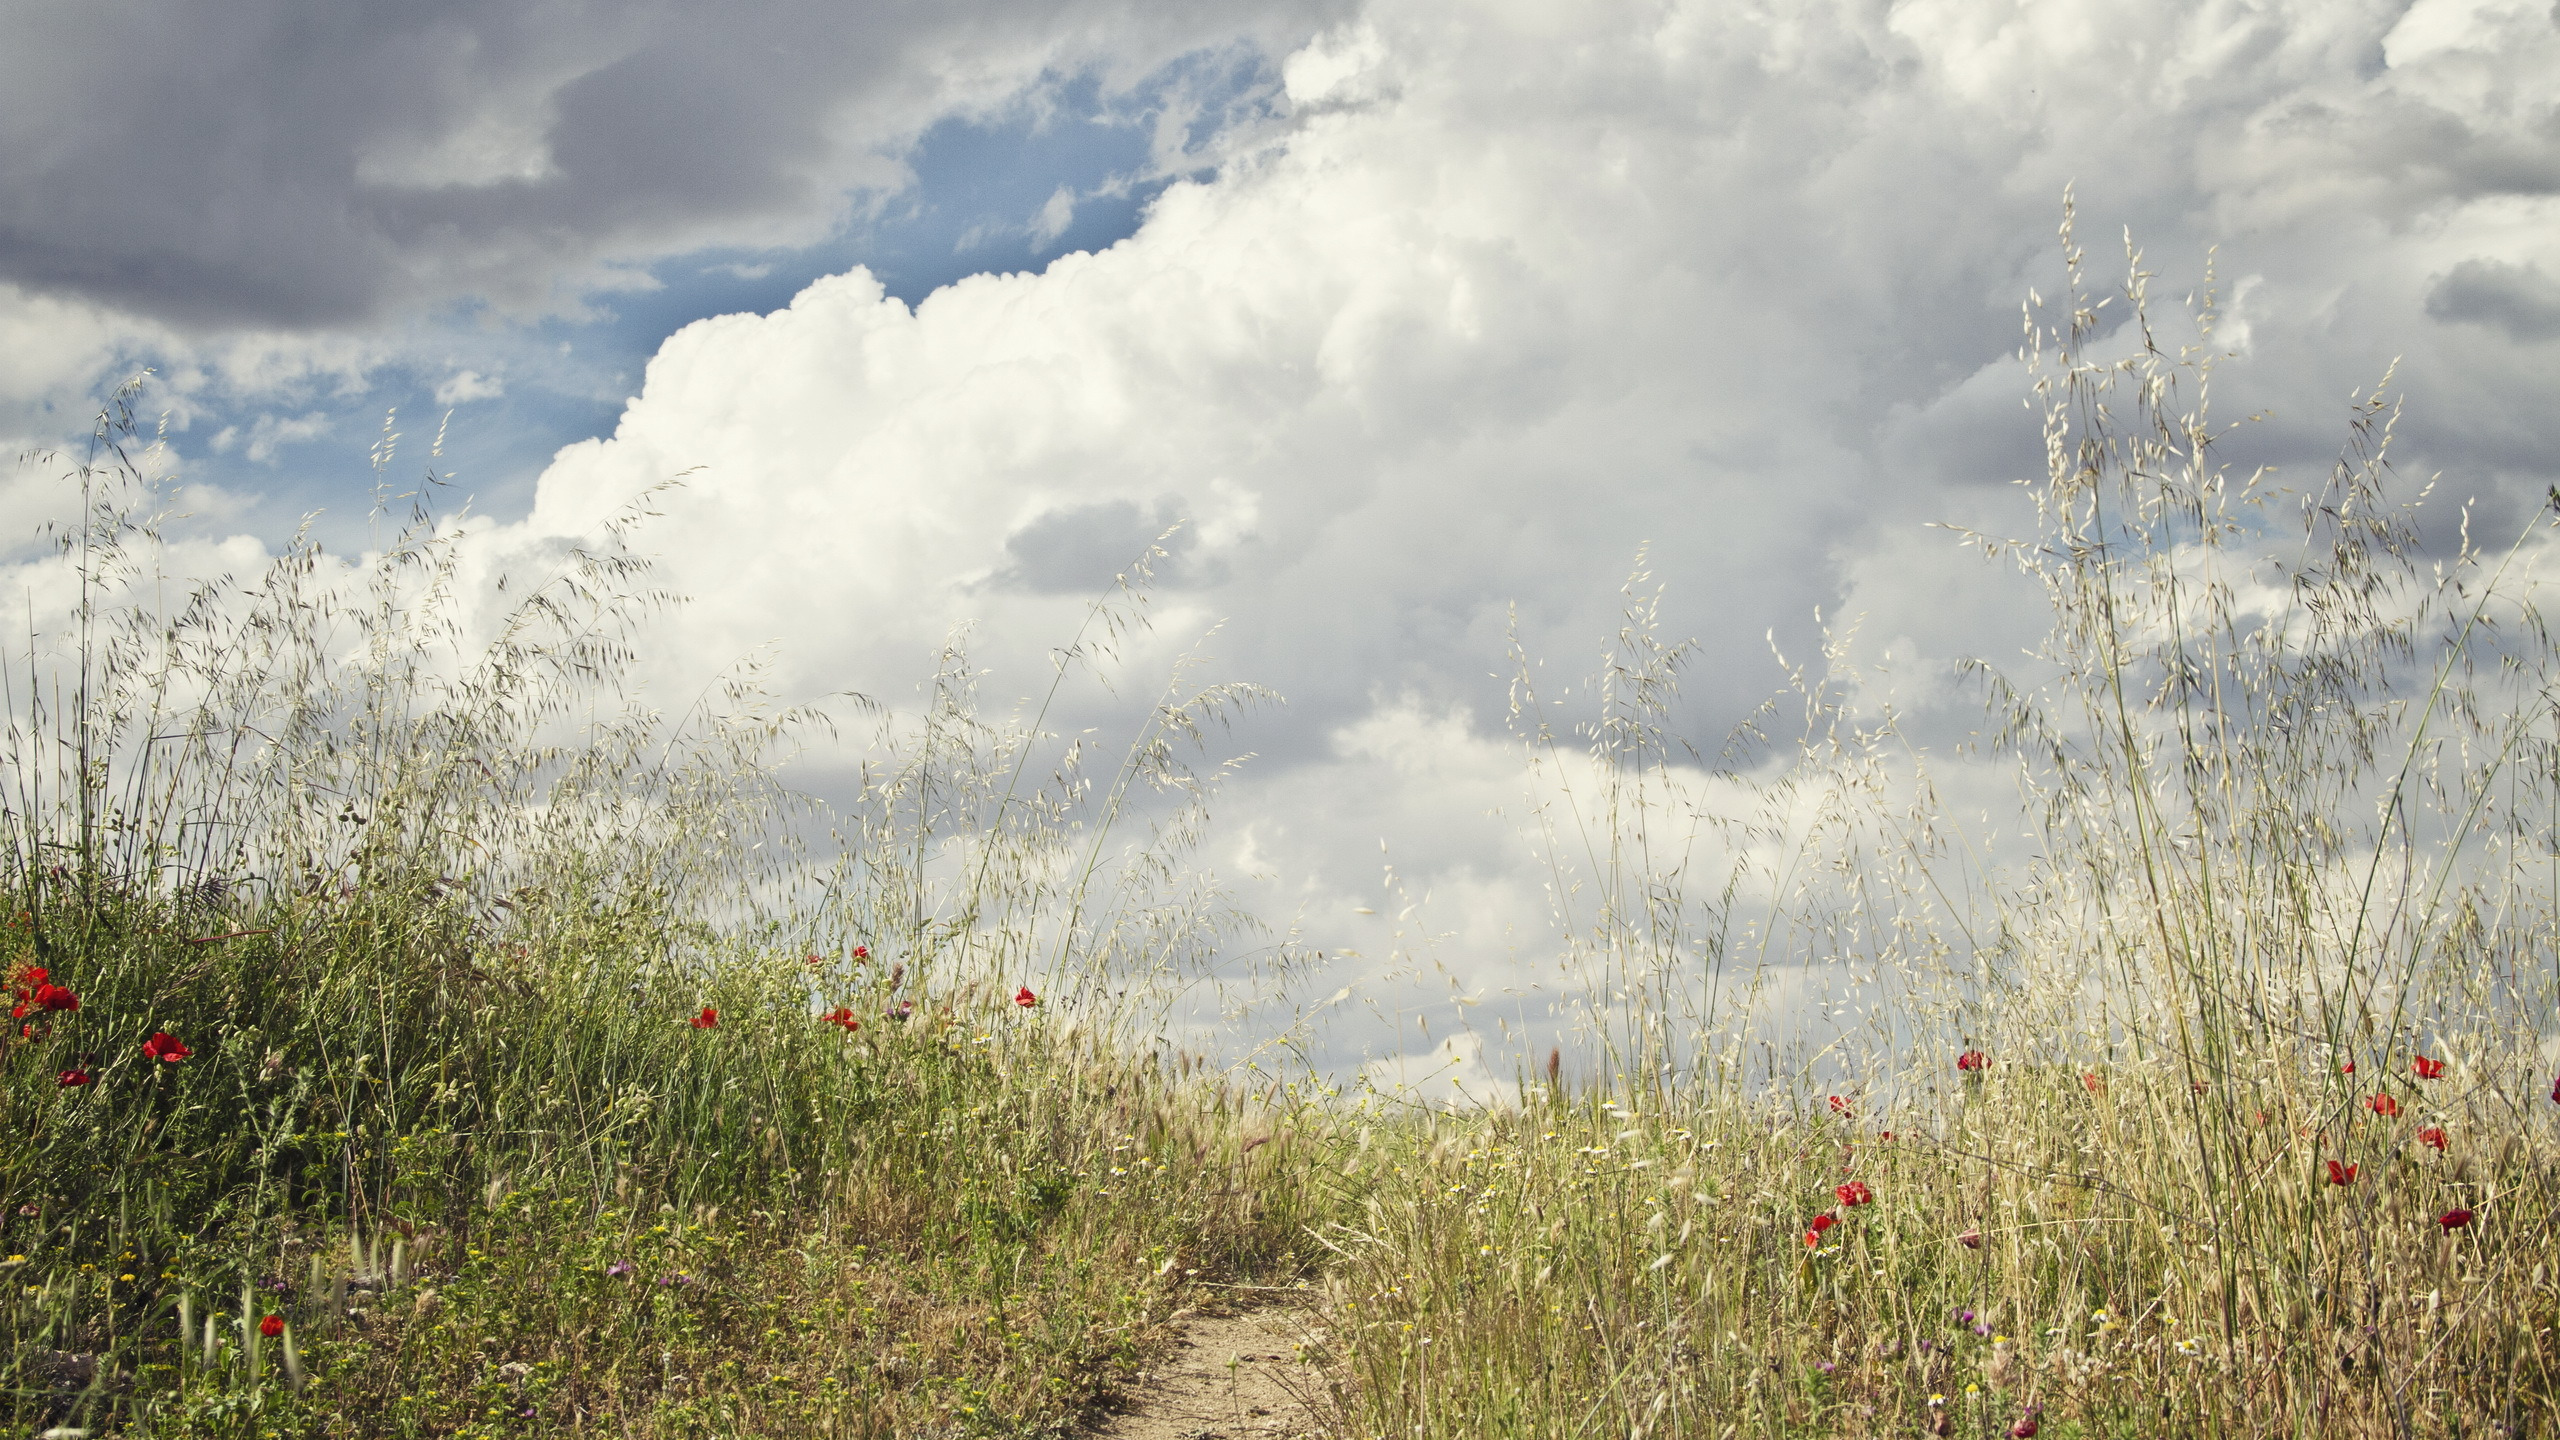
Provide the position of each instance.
(604, 1215)
(535, 1079)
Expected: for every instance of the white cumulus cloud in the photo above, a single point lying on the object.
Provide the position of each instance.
(1523, 289)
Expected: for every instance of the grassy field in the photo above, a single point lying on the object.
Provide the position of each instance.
(412, 1040)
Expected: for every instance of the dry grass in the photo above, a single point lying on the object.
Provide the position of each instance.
(2282, 918)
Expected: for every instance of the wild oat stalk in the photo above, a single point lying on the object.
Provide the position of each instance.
(2288, 781)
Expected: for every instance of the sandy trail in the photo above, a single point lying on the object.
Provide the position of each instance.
(1232, 1377)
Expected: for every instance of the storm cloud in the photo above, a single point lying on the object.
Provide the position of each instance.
(294, 164)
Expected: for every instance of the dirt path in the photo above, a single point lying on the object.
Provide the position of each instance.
(1233, 1377)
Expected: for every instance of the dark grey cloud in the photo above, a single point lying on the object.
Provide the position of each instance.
(299, 164)
(2518, 299)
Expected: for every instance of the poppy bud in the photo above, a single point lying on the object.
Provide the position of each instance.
(1024, 998)
(272, 1326)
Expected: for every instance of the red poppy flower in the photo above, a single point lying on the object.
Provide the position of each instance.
(2341, 1174)
(2555, 1092)
(708, 1018)
(2427, 1069)
(2026, 1427)
(2093, 1084)
(53, 997)
(1854, 1193)
(1024, 998)
(74, 1078)
(272, 1326)
(2383, 1105)
(861, 952)
(1839, 1106)
(842, 1017)
(1884, 1134)
(2347, 1069)
(1821, 1222)
(2454, 1219)
(815, 960)
(1972, 1060)
(166, 1047)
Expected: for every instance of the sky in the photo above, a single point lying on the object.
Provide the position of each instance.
(1430, 322)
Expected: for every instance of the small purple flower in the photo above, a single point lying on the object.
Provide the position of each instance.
(679, 1278)
(1964, 1317)
(1927, 1345)
(1825, 1366)
(1981, 1329)
(618, 1268)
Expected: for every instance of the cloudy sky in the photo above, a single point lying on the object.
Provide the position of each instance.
(1425, 317)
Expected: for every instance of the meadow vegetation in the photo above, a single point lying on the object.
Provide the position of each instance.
(409, 1043)
(416, 1041)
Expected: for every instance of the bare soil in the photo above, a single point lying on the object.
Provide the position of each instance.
(1245, 1376)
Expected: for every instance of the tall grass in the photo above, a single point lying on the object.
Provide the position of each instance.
(2217, 1102)
(504, 1049)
